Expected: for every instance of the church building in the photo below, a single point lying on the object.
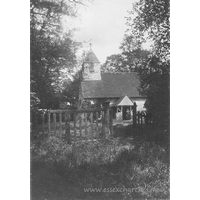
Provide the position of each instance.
(118, 90)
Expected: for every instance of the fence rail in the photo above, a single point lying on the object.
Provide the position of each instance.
(90, 124)
(77, 125)
(141, 118)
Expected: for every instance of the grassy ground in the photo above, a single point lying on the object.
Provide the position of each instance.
(132, 165)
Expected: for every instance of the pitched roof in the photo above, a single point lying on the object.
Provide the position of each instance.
(112, 85)
(91, 57)
(123, 101)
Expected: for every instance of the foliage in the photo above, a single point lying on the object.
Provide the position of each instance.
(155, 84)
(133, 52)
(52, 50)
(149, 20)
(114, 63)
(35, 113)
(70, 93)
(53, 53)
(132, 56)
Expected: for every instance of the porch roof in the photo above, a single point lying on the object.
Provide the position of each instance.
(123, 101)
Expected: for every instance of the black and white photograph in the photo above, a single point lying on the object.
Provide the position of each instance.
(100, 99)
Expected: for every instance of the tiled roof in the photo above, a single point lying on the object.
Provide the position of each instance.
(91, 57)
(112, 85)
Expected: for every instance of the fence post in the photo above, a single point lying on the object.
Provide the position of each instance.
(140, 120)
(54, 123)
(60, 123)
(74, 128)
(97, 125)
(80, 126)
(106, 117)
(111, 121)
(43, 128)
(91, 124)
(103, 123)
(146, 119)
(49, 122)
(134, 114)
(85, 116)
(67, 128)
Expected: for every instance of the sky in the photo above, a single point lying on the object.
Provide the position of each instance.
(102, 23)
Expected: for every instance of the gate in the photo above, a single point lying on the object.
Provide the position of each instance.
(78, 125)
(141, 118)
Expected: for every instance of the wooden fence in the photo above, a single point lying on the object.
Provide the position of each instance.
(141, 118)
(82, 125)
(78, 125)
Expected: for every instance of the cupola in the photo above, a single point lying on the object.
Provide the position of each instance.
(91, 66)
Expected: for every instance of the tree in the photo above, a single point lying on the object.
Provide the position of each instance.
(133, 52)
(132, 56)
(155, 85)
(149, 20)
(71, 92)
(115, 63)
(52, 50)
(53, 53)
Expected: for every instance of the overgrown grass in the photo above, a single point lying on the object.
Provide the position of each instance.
(61, 171)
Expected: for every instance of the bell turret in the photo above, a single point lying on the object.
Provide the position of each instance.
(91, 67)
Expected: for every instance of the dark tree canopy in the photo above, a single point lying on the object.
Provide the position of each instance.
(70, 92)
(133, 52)
(149, 20)
(52, 53)
(115, 63)
(52, 50)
